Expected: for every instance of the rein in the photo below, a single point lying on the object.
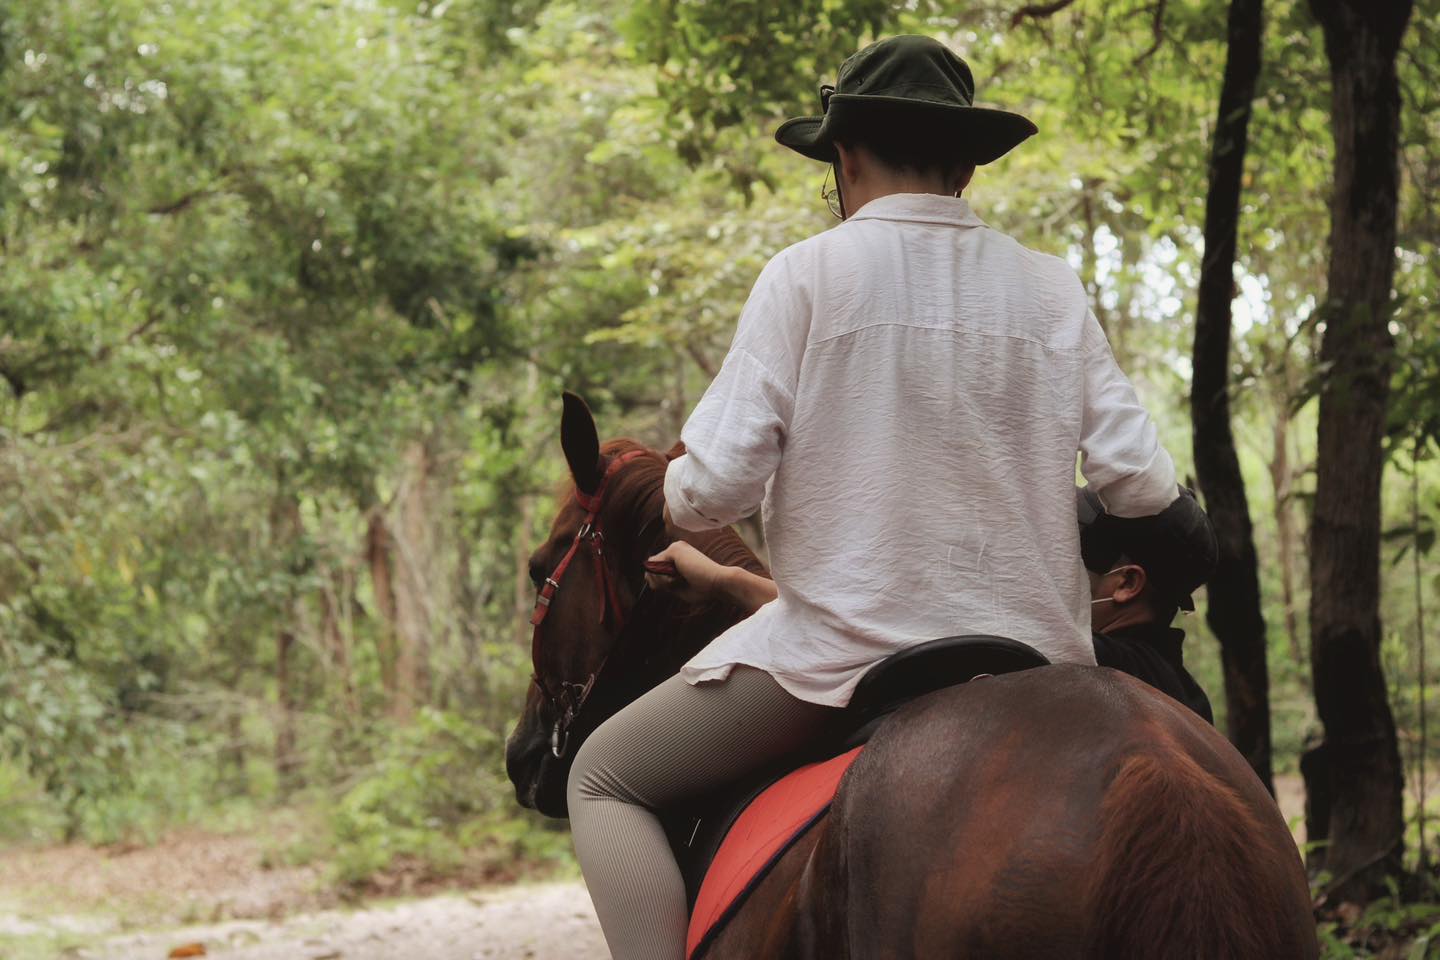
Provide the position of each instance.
(572, 695)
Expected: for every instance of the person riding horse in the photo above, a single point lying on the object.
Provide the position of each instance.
(906, 395)
(1142, 572)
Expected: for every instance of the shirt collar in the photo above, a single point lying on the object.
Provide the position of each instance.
(920, 208)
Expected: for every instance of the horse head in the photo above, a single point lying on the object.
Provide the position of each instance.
(601, 638)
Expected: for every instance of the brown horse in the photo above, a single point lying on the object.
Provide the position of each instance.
(1061, 812)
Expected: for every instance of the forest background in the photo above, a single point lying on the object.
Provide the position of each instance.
(289, 290)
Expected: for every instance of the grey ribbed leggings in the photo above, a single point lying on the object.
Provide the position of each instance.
(676, 741)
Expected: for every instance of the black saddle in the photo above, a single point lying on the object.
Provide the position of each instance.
(925, 668)
(696, 831)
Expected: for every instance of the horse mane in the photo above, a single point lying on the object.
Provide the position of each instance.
(638, 496)
(669, 634)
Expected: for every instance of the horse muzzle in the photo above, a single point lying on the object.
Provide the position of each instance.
(538, 776)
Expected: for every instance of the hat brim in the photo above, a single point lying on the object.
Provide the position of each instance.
(987, 134)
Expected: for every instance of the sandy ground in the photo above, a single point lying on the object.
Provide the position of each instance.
(225, 893)
(551, 921)
(542, 922)
(188, 876)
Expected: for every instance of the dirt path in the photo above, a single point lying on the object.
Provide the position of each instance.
(541, 922)
(186, 877)
(225, 893)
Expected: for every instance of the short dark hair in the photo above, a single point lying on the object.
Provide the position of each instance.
(903, 140)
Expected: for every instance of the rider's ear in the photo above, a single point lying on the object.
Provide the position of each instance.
(581, 443)
(1132, 585)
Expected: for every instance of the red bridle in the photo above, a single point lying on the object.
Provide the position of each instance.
(572, 695)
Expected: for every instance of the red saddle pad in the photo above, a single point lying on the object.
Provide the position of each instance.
(764, 831)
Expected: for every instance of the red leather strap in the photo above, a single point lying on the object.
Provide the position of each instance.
(572, 695)
(552, 583)
(589, 530)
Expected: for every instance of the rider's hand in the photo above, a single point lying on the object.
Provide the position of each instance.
(697, 577)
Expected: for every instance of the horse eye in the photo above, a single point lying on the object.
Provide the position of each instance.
(537, 575)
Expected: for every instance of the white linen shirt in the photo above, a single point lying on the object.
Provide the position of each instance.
(907, 393)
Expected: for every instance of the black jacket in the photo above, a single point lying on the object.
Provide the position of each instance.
(1151, 652)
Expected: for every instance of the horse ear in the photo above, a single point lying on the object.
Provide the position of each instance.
(675, 452)
(581, 443)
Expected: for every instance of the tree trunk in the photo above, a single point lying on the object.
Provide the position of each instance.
(378, 548)
(1090, 258)
(470, 685)
(284, 532)
(287, 763)
(1233, 597)
(413, 583)
(336, 627)
(1365, 780)
(1281, 481)
(233, 779)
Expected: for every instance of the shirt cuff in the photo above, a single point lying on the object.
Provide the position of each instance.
(683, 512)
(1145, 493)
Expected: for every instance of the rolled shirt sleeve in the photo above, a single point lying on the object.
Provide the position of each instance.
(735, 435)
(1120, 451)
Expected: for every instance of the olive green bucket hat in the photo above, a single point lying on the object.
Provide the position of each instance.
(907, 76)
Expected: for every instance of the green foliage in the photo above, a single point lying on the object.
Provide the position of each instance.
(1393, 926)
(723, 64)
(249, 253)
(32, 817)
(435, 793)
